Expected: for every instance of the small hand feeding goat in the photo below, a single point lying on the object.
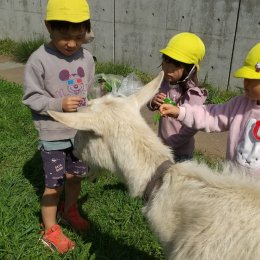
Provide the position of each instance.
(196, 212)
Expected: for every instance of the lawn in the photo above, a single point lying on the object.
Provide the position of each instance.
(118, 229)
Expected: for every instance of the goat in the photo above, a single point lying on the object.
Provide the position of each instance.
(196, 212)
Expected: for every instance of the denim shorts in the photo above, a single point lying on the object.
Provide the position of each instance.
(58, 162)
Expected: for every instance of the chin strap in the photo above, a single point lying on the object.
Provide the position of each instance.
(189, 75)
(157, 179)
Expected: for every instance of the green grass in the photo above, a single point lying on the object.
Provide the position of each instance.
(123, 70)
(25, 48)
(7, 47)
(219, 96)
(20, 51)
(118, 229)
(213, 162)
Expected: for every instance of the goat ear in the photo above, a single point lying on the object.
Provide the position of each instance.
(148, 91)
(77, 120)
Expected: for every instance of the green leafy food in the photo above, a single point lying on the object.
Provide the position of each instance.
(157, 115)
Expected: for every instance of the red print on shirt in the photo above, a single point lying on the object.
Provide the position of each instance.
(256, 130)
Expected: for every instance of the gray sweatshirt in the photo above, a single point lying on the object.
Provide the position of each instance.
(49, 77)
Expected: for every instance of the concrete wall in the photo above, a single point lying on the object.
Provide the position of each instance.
(133, 31)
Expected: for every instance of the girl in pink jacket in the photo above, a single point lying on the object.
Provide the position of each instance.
(180, 62)
(240, 116)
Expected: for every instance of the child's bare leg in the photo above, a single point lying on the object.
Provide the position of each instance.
(69, 211)
(72, 190)
(49, 204)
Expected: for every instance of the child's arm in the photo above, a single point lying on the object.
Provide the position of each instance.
(208, 118)
(157, 100)
(71, 103)
(37, 98)
(169, 110)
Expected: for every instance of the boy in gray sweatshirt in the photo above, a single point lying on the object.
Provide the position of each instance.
(57, 77)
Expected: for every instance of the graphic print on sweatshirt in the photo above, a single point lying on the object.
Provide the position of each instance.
(248, 150)
(72, 84)
(74, 81)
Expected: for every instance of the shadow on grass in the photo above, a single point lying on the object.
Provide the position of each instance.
(33, 172)
(103, 245)
(106, 247)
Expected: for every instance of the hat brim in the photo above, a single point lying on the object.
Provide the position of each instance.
(174, 55)
(246, 73)
(177, 56)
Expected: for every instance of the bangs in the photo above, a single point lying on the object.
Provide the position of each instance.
(65, 26)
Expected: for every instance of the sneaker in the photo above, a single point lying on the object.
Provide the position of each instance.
(54, 239)
(73, 218)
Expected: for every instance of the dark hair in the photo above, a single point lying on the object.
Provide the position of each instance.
(65, 25)
(187, 67)
(170, 60)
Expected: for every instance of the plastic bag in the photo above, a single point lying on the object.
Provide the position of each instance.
(129, 85)
(115, 84)
(103, 84)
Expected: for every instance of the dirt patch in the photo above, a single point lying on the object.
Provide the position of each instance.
(4, 58)
(11, 70)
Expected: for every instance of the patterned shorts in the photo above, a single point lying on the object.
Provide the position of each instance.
(57, 163)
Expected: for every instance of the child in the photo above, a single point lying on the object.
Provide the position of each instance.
(180, 63)
(240, 115)
(57, 77)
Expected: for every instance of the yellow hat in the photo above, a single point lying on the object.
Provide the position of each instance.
(75, 11)
(251, 68)
(185, 47)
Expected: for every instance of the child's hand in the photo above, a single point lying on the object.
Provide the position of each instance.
(71, 103)
(169, 110)
(158, 99)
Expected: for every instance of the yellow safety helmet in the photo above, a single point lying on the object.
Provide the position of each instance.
(75, 11)
(185, 47)
(251, 68)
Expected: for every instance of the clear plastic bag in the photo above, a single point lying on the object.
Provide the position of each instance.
(129, 85)
(115, 84)
(103, 84)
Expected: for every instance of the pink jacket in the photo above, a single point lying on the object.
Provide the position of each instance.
(241, 117)
(180, 138)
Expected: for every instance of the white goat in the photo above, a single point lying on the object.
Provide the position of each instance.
(196, 212)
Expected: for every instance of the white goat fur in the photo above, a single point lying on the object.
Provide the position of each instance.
(197, 213)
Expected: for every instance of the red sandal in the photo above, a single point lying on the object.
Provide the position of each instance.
(73, 218)
(54, 239)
